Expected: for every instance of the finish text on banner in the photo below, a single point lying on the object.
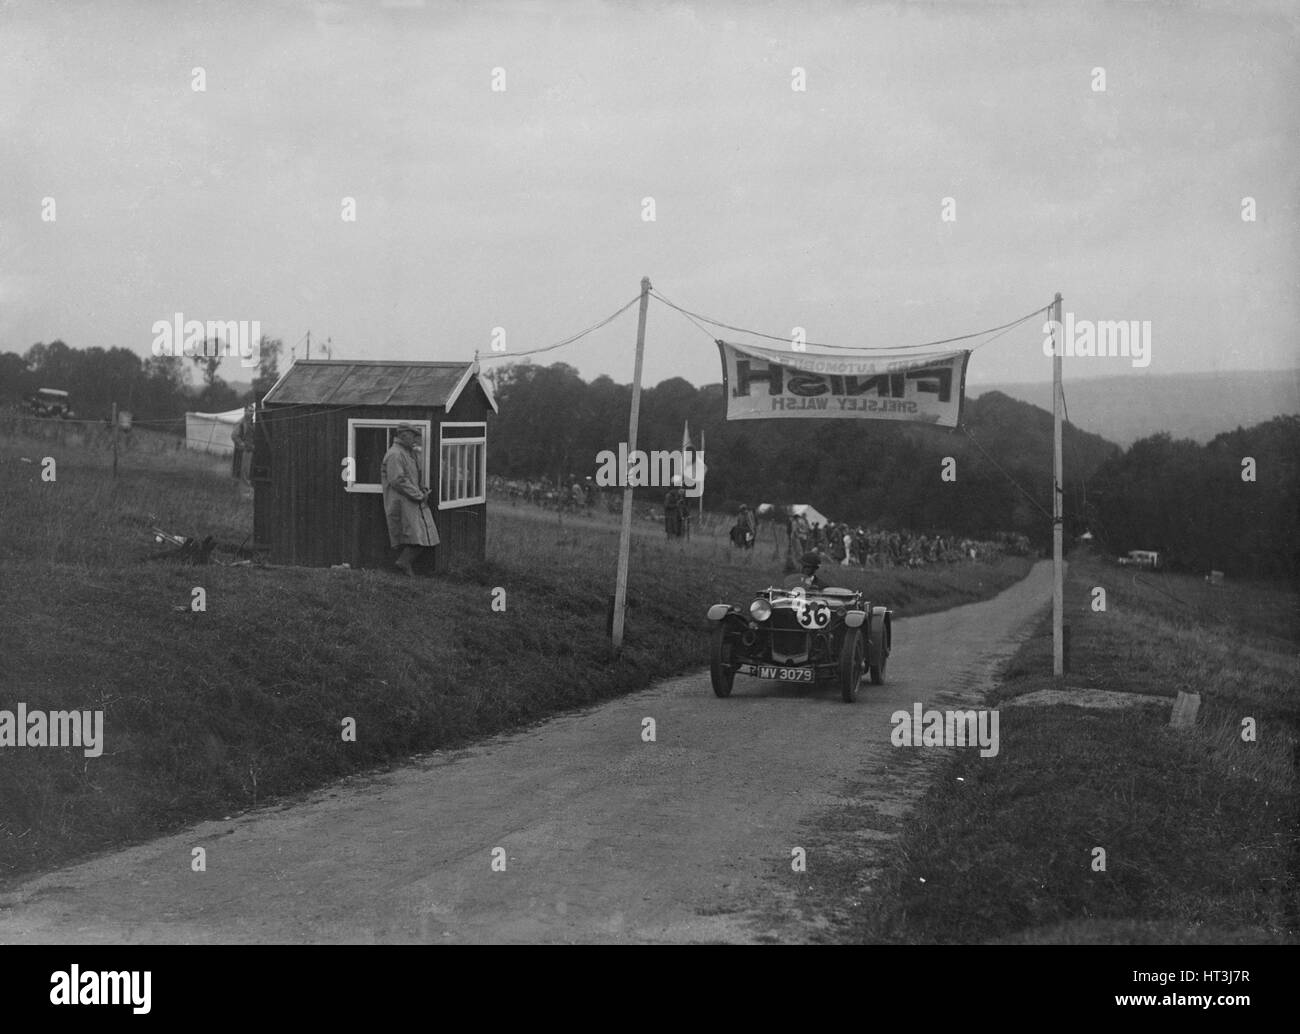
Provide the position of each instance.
(761, 383)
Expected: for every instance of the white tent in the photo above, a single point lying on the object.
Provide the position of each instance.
(210, 432)
(812, 515)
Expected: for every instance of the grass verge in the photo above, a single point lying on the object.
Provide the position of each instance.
(1199, 827)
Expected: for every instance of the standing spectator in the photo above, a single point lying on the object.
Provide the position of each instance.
(406, 499)
(802, 531)
(800, 535)
(745, 528)
(242, 438)
(674, 510)
(749, 522)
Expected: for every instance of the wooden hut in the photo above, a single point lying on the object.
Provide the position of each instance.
(324, 418)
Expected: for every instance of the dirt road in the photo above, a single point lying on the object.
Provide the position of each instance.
(605, 837)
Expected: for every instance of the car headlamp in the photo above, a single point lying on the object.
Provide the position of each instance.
(760, 610)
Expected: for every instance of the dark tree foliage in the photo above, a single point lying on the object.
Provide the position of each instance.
(1192, 503)
(94, 377)
(156, 390)
(270, 350)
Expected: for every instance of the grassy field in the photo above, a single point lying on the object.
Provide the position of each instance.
(1199, 827)
(211, 713)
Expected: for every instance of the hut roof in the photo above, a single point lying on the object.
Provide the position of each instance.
(357, 382)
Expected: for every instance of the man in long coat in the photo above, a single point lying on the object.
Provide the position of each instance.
(674, 506)
(406, 499)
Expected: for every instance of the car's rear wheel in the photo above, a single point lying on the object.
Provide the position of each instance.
(720, 670)
(853, 662)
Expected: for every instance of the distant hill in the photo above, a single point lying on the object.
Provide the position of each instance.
(1192, 405)
(1019, 434)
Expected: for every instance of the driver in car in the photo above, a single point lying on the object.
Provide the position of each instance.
(811, 561)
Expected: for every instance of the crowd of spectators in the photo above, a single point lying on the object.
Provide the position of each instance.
(839, 541)
(850, 545)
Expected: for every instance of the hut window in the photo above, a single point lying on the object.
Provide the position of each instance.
(368, 440)
(462, 466)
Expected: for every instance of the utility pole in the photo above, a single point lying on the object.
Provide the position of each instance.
(309, 344)
(625, 535)
(1058, 574)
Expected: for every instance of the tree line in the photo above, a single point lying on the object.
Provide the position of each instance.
(157, 391)
(1232, 504)
(1185, 500)
(553, 424)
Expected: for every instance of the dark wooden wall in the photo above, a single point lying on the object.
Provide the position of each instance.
(260, 475)
(304, 516)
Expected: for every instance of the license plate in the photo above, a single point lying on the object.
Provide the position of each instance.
(777, 671)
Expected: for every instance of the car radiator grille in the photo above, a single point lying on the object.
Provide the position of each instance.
(788, 638)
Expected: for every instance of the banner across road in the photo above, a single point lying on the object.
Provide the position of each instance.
(762, 383)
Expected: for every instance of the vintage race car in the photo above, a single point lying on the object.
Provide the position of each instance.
(806, 636)
(49, 402)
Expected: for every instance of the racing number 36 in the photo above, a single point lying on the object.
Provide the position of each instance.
(811, 613)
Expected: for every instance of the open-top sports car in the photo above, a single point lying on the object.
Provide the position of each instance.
(801, 635)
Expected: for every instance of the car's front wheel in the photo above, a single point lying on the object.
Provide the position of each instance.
(877, 670)
(853, 661)
(720, 669)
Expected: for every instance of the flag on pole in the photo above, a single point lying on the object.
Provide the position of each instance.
(701, 473)
(692, 468)
(688, 464)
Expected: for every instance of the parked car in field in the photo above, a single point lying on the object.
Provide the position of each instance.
(804, 636)
(1140, 558)
(49, 402)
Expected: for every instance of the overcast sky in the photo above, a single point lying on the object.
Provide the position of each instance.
(774, 207)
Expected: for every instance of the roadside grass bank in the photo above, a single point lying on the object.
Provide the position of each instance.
(211, 713)
(1199, 827)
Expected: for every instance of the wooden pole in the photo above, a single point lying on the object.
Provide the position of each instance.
(114, 439)
(1058, 574)
(625, 535)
